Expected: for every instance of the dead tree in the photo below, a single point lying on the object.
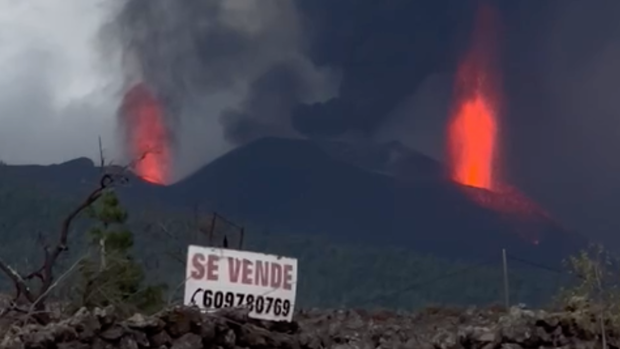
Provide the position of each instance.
(36, 296)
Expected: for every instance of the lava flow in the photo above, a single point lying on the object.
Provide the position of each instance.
(472, 131)
(146, 134)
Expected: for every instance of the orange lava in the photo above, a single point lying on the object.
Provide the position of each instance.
(473, 129)
(473, 132)
(472, 143)
(147, 135)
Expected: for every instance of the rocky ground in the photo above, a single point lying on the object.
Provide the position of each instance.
(184, 328)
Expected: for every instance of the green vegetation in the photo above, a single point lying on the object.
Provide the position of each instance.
(597, 272)
(331, 274)
(111, 276)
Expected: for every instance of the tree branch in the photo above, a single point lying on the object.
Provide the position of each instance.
(61, 246)
(45, 272)
(18, 281)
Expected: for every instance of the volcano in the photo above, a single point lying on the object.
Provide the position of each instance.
(303, 187)
(306, 187)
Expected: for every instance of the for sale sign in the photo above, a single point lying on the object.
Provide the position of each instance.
(221, 278)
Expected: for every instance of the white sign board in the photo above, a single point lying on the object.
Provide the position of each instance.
(219, 278)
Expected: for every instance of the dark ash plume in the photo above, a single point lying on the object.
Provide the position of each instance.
(248, 50)
(269, 70)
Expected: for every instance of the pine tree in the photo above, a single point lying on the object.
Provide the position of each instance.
(112, 276)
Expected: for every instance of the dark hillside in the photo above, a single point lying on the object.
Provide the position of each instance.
(299, 187)
(362, 238)
(294, 185)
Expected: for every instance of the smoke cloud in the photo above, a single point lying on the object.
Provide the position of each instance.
(383, 70)
(231, 71)
(563, 120)
(234, 69)
(58, 91)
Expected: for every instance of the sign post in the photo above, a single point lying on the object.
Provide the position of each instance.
(222, 278)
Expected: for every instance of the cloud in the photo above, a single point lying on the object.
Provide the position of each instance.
(234, 68)
(57, 95)
(419, 120)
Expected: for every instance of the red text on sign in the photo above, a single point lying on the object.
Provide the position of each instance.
(243, 271)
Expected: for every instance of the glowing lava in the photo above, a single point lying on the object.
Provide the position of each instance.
(146, 135)
(472, 146)
(472, 132)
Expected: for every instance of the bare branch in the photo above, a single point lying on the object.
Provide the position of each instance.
(61, 245)
(42, 297)
(51, 254)
(18, 281)
(45, 272)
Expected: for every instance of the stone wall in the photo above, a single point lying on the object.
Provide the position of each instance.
(184, 328)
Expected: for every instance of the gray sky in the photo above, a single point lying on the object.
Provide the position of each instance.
(58, 91)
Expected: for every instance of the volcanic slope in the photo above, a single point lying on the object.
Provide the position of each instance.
(303, 187)
(297, 186)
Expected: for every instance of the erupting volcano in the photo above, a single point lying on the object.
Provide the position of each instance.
(147, 137)
(473, 129)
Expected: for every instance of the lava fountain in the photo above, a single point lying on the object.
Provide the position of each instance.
(147, 138)
(473, 128)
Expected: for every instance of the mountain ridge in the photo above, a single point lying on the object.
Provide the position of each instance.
(298, 186)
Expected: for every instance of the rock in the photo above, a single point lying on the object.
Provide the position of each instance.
(481, 334)
(140, 338)
(179, 321)
(62, 331)
(12, 343)
(147, 323)
(128, 342)
(85, 323)
(306, 340)
(250, 335)
(38, 339)
(444, 339)
(184, 328)
(239, 315)
(73, 345)
(344, 346)
(99, 343)
(113, 333)
(106, 316)
(511, 346)
(206, 330)
(542, 336)
(414, 343)
(188, 341)
(160, 339)
(549, 323)
(488, 337)
(229, 339)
